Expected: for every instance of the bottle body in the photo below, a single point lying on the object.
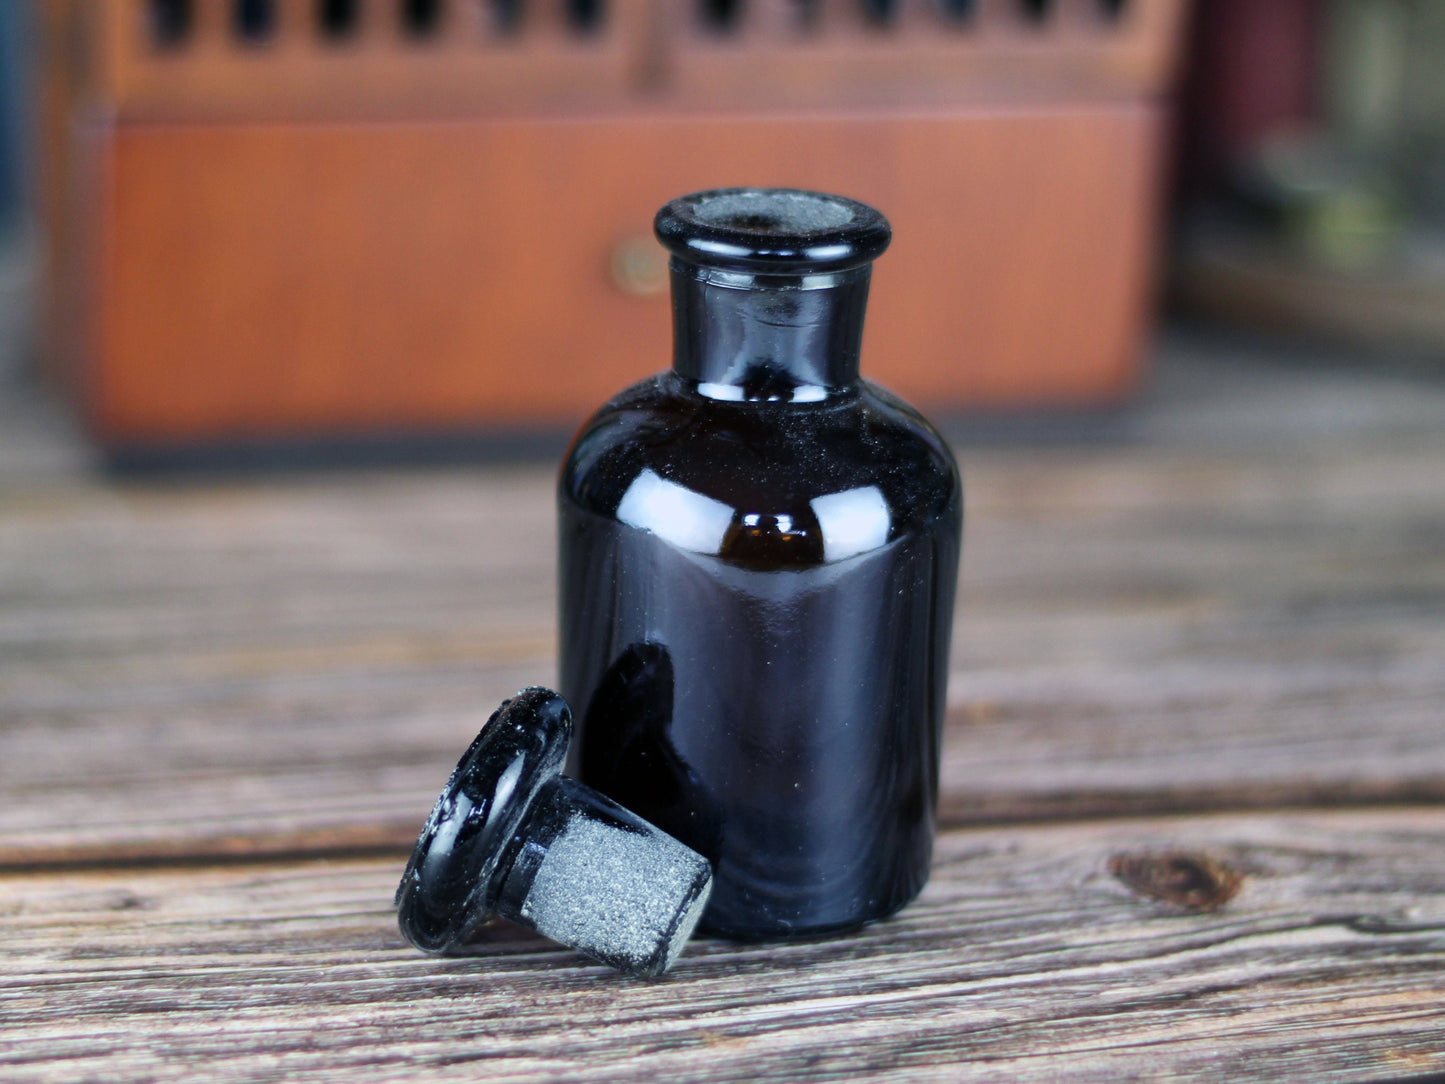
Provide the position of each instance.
(756, 600)
(758, 554)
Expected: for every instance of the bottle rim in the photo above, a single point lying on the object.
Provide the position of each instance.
(776, 231)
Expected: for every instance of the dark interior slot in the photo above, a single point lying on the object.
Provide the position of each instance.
(957, 11)
(170, 21)
(1113, 8)
(721, 15)
(880, 12)
(585, 15)
(421, 18)
(254, 20)
(506, 16)
(1036, 11)
(337, 19)
(805, 14)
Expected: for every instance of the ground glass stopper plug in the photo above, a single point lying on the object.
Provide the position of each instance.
(511, 836)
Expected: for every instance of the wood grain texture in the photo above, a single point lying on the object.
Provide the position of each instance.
(1023, 959)
(1244, 606)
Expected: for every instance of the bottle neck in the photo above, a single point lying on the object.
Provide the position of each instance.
(744, 336)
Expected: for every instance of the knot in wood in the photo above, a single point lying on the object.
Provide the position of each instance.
(1187, 879)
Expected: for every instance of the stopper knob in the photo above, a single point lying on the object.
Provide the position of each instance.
(511, 836)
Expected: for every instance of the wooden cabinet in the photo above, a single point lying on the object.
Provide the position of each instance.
(312, 217)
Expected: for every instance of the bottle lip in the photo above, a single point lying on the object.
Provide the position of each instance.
(778, 231)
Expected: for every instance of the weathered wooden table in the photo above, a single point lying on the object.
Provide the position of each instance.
(1202, 651)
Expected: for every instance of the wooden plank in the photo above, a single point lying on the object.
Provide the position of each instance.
(1023, 959)
(279, 667)
(1203, 630)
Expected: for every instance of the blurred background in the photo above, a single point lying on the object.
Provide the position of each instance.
(264, 230)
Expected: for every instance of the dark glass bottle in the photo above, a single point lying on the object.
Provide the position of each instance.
(757, 568)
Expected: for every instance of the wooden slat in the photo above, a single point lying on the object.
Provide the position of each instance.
(1024, 959)
(376, 71)
(271, 667)
(769, 57)
(765, 58)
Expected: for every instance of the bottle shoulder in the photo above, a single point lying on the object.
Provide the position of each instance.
(862, 464)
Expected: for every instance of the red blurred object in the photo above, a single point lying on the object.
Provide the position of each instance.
(1250, 71)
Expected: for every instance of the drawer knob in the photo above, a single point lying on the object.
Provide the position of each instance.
(639, 266)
